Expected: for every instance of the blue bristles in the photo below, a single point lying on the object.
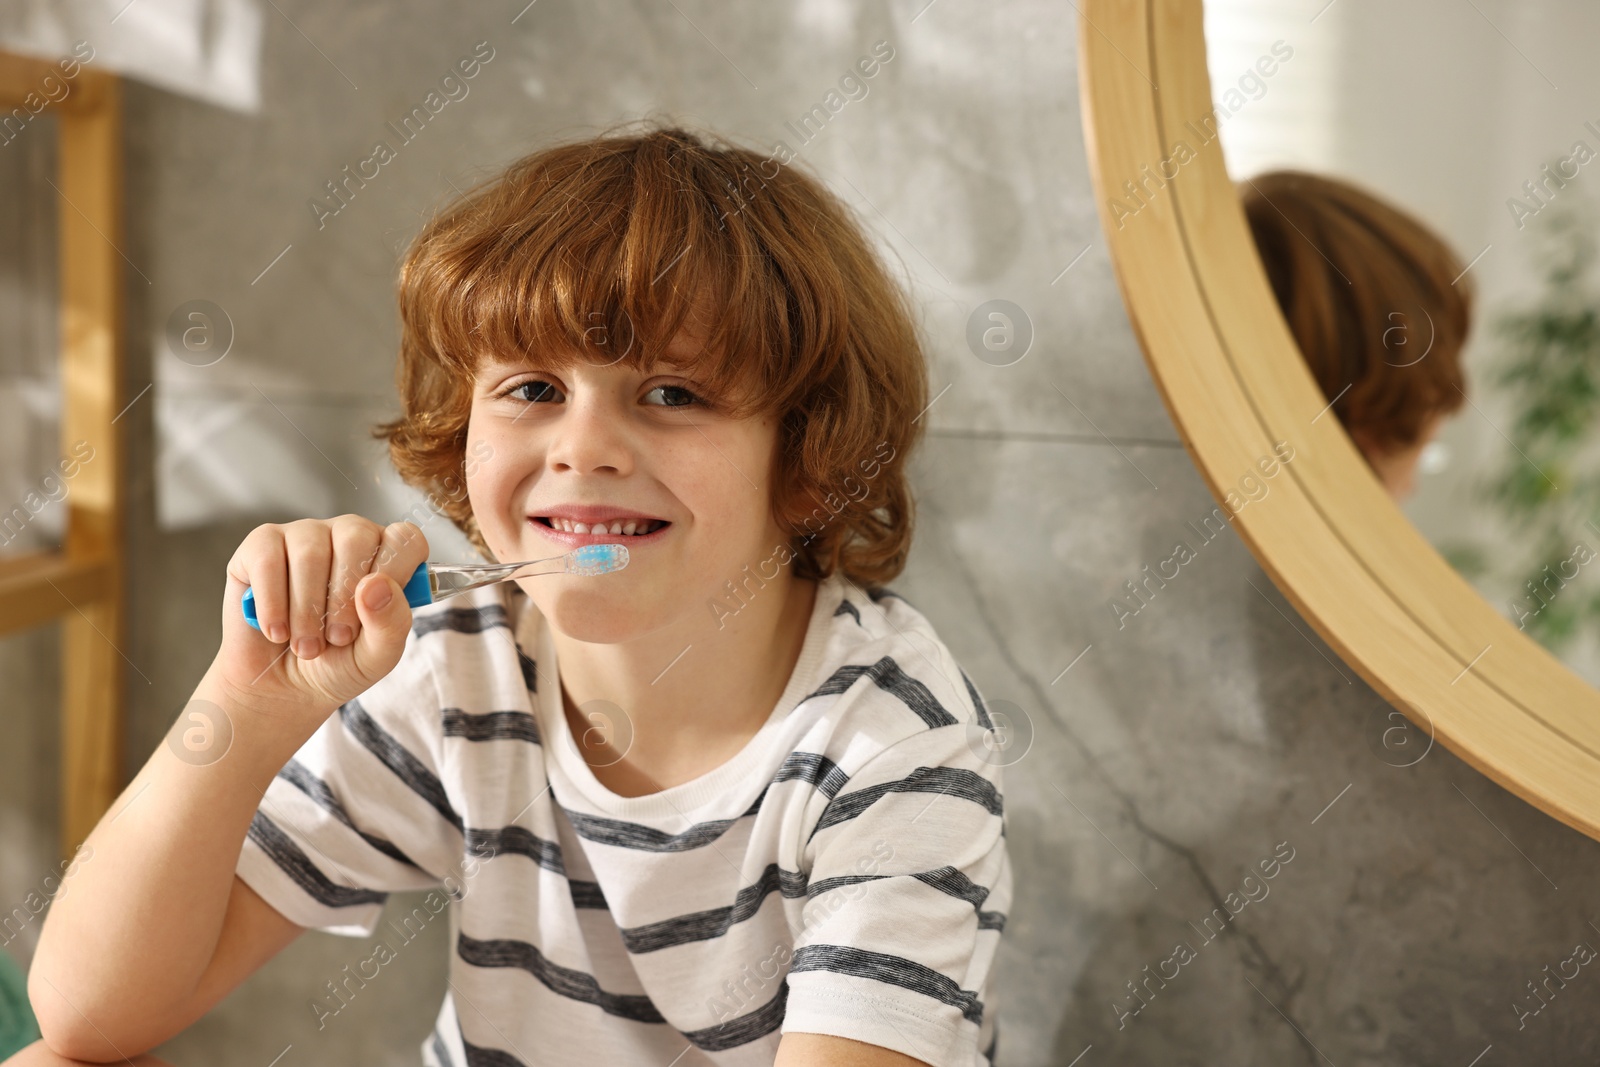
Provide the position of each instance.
(597, 559)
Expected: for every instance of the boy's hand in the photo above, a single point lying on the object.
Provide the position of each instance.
(320, 643)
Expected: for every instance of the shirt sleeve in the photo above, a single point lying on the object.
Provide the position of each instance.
(908, 886)
(360, 810)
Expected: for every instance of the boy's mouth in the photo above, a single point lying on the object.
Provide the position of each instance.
(632, 529)
(576, 525)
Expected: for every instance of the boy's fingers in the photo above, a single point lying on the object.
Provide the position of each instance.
(262, 565)
(310, 556)
(385, 624)
(355, 544)
(402, 551)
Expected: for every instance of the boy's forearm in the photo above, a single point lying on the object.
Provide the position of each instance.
(129, 934)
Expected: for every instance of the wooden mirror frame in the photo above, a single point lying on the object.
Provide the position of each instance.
(1327, 532)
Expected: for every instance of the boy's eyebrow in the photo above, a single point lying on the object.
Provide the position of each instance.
(496, 364)
(493, 359)
(493, 362)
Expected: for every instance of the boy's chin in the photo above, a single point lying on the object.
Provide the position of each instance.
(585, 612)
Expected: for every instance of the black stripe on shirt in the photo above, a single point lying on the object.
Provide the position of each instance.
(491, 725)
(847, 608)
(518, 840)
(714, 922)
(298, 775)
(892, 970)
(951, 881)
(842, 881)
(587, 894)
(813, 768)
(887, 675)
(945, 879)
(957, 782)
(478, 1056)
(573, 984)
(742, 1029)
(461, 620)
(977, 701)
(398, 759)
(530, 672)
(624, 834)
(293, 862)
(547, 854)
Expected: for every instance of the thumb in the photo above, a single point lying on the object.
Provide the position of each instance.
(385, 622)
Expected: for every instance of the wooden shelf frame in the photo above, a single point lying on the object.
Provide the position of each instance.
(82, 584)
(1227, 368)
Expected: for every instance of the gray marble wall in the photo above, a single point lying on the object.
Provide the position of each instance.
(1171, 756)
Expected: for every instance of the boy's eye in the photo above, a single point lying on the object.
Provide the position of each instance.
(679, 391)
(538, 390)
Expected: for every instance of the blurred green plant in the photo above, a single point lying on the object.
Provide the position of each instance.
(1547, 485)
(18, 1027)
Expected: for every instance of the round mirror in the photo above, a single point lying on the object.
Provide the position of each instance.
(1247, 154)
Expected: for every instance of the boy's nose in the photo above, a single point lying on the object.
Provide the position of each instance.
(591, 435)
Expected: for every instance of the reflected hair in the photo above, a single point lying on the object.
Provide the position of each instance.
(603, 249)
(1359, 282)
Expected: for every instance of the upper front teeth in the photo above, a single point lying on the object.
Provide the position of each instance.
(619, 527)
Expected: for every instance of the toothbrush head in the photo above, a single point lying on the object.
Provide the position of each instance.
(597, 559)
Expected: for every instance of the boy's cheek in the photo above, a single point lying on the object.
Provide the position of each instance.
(480, 497)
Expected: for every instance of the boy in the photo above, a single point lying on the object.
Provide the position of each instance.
(1350, 272)
(748, 819)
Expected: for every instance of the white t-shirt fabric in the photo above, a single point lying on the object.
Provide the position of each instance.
(845, 873)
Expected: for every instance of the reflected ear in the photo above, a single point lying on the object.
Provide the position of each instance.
(1394, 465)
(1366, 443)
(1377, 457)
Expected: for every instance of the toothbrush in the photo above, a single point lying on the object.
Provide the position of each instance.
(435, 581)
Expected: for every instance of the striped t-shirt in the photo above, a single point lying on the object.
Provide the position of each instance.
(845, 873)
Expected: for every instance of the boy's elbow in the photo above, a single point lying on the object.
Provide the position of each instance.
(83, 1044)
(65, 1039)
(53, 1012)
(73, 1026)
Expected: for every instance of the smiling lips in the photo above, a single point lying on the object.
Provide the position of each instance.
(592, 525)
(632, 527)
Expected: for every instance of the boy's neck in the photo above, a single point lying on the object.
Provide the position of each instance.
(703, 709)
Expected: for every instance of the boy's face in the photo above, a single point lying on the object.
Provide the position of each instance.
(641, 444)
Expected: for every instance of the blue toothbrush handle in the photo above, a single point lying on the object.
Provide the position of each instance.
(418, 591)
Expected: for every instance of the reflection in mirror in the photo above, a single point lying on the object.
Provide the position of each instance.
(1414, 176)
(1355, 278)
